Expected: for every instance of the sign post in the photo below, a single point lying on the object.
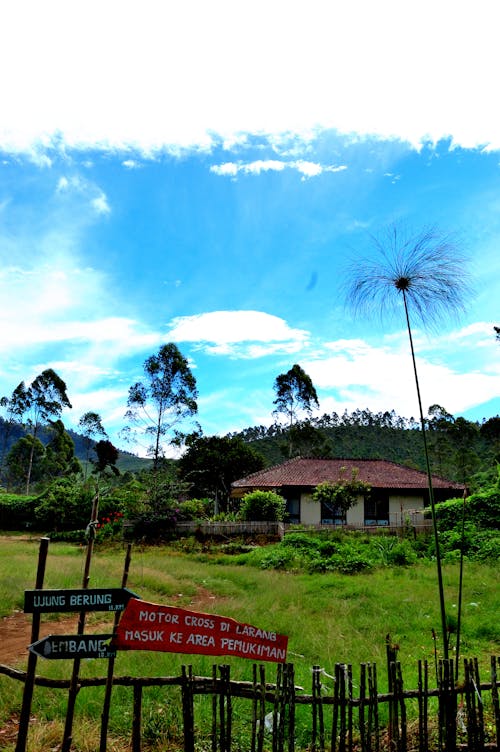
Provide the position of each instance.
(74, 646)
(97, 599)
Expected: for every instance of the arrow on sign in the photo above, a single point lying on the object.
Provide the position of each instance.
(100, 599)
(74, 646)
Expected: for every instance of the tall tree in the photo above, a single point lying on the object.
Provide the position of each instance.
(295, 392)
(426, 273)
(90, 424)
(166, 397)
(212, 463)
(44, 398)
(60, 460)
(14, 408)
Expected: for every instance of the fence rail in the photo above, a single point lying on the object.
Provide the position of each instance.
(280, 529)
(353, 717)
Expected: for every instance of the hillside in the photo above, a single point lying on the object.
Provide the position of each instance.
(459, 450)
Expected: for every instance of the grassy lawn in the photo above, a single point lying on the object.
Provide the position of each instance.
(329, 617)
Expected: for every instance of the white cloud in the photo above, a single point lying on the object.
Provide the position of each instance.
(131, 164)
(238, 333)
(100, 204)
(86, 189)
(381, 378)
(307, 169)
(153, 78)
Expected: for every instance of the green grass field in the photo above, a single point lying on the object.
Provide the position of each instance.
(329, 618)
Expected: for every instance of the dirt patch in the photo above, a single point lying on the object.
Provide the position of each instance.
(15, 635)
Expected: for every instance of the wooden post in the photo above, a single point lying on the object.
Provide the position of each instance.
(187, 708)
(74, 687)
(362, 703)
(262, 709)
(137, 718)
(494, 698)
(373, 712)
(214, 708)
(111, 664)
(29, 683)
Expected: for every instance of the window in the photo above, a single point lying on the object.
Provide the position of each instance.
(292, 510)
(331, 514)
(377, 509)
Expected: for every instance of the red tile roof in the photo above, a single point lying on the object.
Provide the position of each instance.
(301, 471)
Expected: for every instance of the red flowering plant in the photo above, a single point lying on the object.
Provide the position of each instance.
(109, 527)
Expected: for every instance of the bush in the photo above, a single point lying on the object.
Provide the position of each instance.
(17, 512)
(195, 509)
(481, 508)
(65, 505)
(259, 506)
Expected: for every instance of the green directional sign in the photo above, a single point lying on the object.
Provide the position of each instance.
(74, 646)
(100, 599)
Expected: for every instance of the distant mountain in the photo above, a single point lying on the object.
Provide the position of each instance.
(12, 432)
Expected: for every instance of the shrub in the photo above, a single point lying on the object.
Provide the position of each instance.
(64, 506)
(260, 506)
(195, 509)
(17, 512)
(481, 508)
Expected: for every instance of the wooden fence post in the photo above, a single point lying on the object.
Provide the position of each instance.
(225, 709)
(423, 706)
(29, 683)
(74, 686)
(111, 664)
(373, 722)
(137, 718)
(494, 698)
(187, 708)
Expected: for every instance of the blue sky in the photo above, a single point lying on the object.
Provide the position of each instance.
(203, 174)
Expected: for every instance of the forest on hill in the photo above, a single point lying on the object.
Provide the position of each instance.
(460, 450)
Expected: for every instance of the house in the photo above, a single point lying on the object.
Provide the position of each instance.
(398, 494)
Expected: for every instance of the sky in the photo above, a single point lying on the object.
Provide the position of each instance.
(204, 173)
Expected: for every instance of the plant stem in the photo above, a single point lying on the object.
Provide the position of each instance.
(444, 626)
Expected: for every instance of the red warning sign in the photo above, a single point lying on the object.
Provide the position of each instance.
(150, 626)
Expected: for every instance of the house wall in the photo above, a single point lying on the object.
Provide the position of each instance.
(400, 509)
(310, 510)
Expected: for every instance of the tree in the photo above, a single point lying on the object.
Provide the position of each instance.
(212, 463)
(294, 392)
(166, 397)
(341, 495)
(490, 430)
(497, 332)
(27, 454)
(45, 398)
(60, 460)
(90, 425)
(426, 272)
(14, 407)
(106, 457)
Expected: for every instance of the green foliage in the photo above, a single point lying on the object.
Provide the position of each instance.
(65, 505)
(482, 508)
(17, 512)
(212, 463)
(343, 494)
(196, 509)
(167, 395)
(109, 527)
(262, 506)
(25, 461)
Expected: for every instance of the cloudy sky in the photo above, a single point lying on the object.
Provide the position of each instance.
(203, 172)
